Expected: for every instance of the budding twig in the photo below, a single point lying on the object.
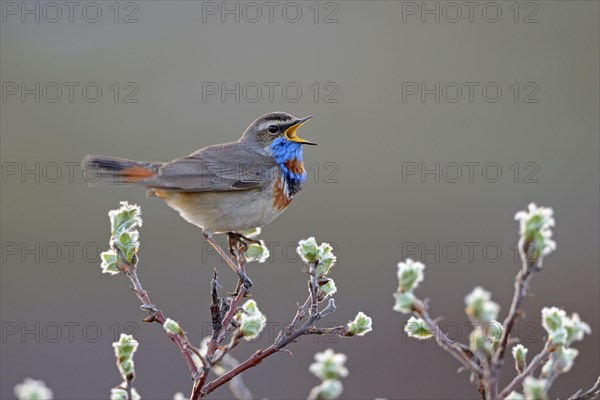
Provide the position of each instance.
(220, 329)
(237, 385)
(181, 340)
(285, 336)
(530, 266)
(123, 259)
(485, 358)
(313, 287)
(215, 307)
(361, 324)
(537, 361)
(591, 394)
(454, 348)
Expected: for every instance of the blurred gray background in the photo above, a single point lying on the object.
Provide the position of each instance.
(60, 314)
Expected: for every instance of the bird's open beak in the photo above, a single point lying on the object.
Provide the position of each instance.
(290, 133)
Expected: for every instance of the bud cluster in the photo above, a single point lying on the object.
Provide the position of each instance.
(410, 275)
(124, 237)
(483, 312)
(251, 321)
(32, 389)
(255, 252)
(125, 348)
(320, 259)
(535, 228)
(329, 367)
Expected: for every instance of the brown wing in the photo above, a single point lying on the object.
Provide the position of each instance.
(224, 167)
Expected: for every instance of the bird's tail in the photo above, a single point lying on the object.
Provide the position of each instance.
(109, 171)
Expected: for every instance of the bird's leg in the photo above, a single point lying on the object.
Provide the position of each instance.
(243, 242)
(234, 249)
(236, 267)
(238, 246)
(233, 246)
(247, 239)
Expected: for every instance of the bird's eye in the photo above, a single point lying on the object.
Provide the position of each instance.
(273, 129)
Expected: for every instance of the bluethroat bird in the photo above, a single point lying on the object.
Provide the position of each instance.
(225, 188)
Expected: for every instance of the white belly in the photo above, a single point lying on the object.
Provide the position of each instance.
(219, 212)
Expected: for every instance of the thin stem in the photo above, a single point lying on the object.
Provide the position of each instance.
(253, 361)
(233, 308)
(591, 394)
(243, 290)
(316, 317)
(215, 310)
(220, 327)
(233, 343)
(239, 389)
(450, 346)
(539, 359)
(313, 287)
(550, 378)
(130, 270)
(529, 267)
(336, 330)
(128, 387)
(232, 264)
(217, 337)
(300, 313)
(285, 336)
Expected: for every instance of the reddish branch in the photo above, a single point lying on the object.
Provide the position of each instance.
(253, 361)
(219, 330)
(285, 336)
(456, 349)
(537, 361)
(298, 327)
(221, 326)
(181, 340)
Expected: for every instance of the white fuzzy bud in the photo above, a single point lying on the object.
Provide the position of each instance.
(404, 302)
(410, 274)
(329, 389)
(308, 250)
(124, 351)
(172, 327)
(480, 307)
(251, 320)
(361, 325)
(418, 329)
(32, 389)
(534, 388)
(519, 353)
(329, 365)
(535, 227)
(256, 252)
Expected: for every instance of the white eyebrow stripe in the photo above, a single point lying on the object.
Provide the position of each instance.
(265, 125)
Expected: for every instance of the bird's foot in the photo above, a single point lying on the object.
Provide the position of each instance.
(243, 281)
(246, 282)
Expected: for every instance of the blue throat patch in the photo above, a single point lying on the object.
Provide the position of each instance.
(284, 150)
